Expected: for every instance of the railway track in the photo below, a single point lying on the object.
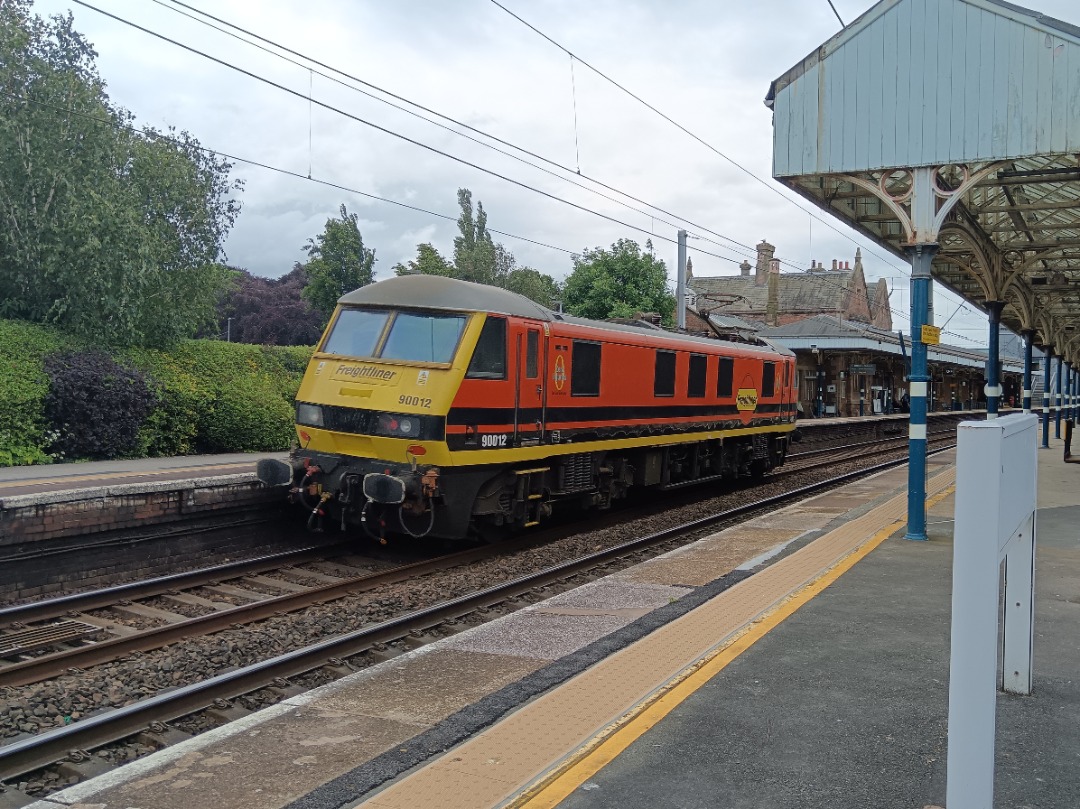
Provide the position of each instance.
(147, 719)
(828, 456)
(46, 638)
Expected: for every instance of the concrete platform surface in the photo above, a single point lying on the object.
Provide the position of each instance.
(799, 660)
(60, 477)
(845, 704)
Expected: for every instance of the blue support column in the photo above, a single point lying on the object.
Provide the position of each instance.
(921, 258)
(1057, 399)
(1029, 337)
(820, 390)
(993, 357)
(1076, 389)
(1048, 357)
(1068, 390)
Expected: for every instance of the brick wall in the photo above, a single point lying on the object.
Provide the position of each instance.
(59, 542)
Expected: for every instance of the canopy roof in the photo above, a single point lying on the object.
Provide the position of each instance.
(986, 94)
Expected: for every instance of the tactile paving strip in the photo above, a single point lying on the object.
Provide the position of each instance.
(494, 766)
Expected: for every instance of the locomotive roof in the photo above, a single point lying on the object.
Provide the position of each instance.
(440, 293)
(437, 292)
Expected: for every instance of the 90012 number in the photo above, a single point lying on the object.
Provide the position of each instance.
(415, 401)
(493, 440)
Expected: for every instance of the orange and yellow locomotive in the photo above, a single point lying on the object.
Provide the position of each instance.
(439, 407)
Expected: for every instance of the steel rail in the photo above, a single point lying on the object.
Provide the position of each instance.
(51, 665)
(80, 602)
(46, 748)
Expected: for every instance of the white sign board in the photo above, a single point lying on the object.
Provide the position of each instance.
(996, 477)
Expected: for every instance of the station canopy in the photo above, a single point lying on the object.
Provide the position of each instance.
(973, 105)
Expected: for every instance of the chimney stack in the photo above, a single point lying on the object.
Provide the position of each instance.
(834, 263)
(774, 266)
(744, 269)
(765, 252)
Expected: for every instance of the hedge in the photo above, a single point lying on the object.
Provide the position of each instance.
(209, 396)
(24, 437)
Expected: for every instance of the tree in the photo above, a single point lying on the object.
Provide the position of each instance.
(534, 285)
(479, 259)
(110, 232)
(339, 263)
(269, 311)
(428, 261)
(476, 257)
(619, 282)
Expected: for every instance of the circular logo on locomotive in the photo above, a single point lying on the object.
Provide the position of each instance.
(746, 400)
(560, 372)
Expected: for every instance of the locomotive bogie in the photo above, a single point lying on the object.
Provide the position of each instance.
(446, 408)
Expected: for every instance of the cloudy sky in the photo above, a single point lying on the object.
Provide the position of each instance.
(706, 64)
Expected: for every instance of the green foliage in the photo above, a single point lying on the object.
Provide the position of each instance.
(23, 387)
(111, 233)
(339, 263)
(619, 282)
(476, 257)
(535, 285)
(428, 262)
(223, 397)
(95, 406)
(211, 396)
(479, 259)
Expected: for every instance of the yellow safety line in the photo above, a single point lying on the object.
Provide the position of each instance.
(603, 748)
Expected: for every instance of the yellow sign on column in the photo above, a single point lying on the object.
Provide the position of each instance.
(931, 335)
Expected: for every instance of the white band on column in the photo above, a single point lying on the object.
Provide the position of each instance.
(916, 432)
(1027, 394)
(918, 389)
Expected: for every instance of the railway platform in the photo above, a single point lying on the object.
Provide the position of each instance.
(799, 659)
(17, 481)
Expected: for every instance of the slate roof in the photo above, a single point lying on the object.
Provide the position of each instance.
(817, 291)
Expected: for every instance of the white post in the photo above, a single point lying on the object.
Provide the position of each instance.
(995, 520)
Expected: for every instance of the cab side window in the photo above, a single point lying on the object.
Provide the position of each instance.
(489, 357)
(695, 384)
(768, 380)
(725, 373)
(664, 374)
(585, 369)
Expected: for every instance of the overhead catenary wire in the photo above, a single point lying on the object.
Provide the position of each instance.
(698, 138)
(746, 251)
(683, 129)
(570, 173)
(373, 125)
(338, 186)
(279, 170)
(420, 144)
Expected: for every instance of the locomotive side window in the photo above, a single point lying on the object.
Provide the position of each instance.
(725, 373)
(695, 386)
(532, 354)
(356, 333)
(664, 374)
(768, 379)
(585, 369)
(423, 337)
(489, 358)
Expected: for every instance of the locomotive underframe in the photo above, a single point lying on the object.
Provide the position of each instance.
(454, 502)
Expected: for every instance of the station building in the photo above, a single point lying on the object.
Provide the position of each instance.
(850, 360)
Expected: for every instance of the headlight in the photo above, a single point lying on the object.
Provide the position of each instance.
(398, 425)
(309, 414)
